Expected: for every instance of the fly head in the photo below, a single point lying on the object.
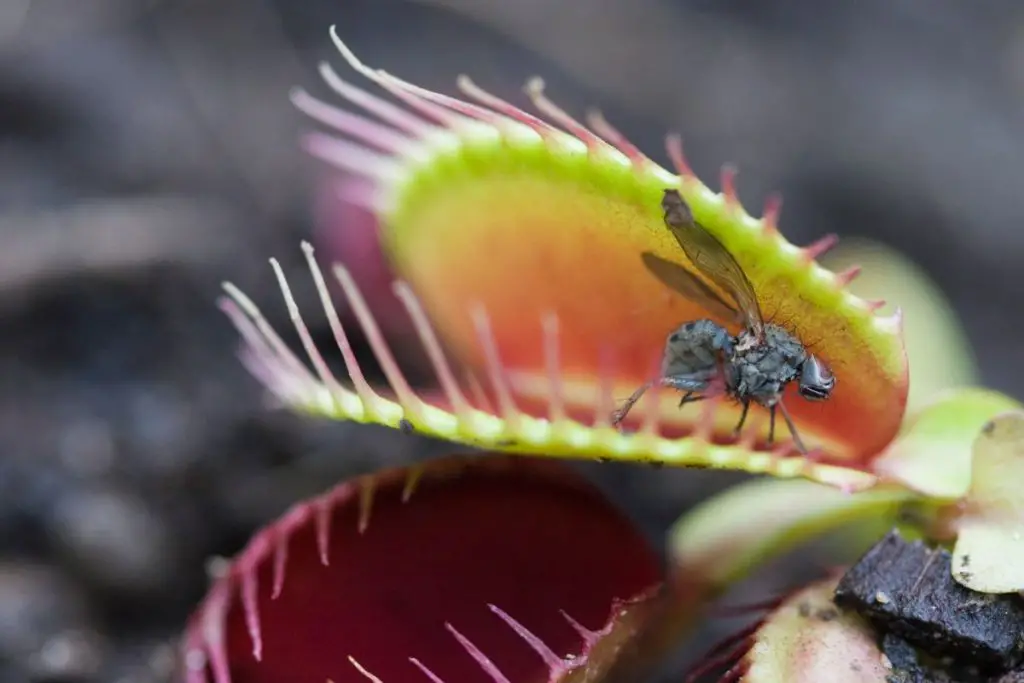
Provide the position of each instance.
(816, 380)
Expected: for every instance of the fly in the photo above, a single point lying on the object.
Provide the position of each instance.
(757, 364)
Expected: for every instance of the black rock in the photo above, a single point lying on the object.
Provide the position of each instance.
(908, 589)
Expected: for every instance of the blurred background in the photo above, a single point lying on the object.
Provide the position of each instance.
(148, 151)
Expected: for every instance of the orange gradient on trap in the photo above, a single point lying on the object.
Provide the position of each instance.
(568, 241)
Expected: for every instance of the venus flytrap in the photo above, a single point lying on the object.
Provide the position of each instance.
(515, 242)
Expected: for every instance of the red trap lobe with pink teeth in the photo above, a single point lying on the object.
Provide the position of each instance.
(475, 571)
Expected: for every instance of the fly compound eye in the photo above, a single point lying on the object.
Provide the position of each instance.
(816, 380)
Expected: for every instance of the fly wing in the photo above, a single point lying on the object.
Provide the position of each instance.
(675, 277)
(711, 258)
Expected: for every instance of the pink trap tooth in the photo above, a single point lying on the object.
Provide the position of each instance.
(367, 486)
(325, 374)
(465, 108)
(219, 664)
(589, 637)
(396, 86)
(617, 140)
(355, 372)
(875, 304)
(396, 116)
(413, 480)
(279, 349)
(410, 403)
(748, 436)
(360, 193)
(784, 449)
(770, 214)
(260, 359)
(363, 671)
(432, 346)
(728, 180)
(652, 402)
(214, 613)
(807, 466)
(554, 663)
(441, 107)
(535, 90)
(322, 520)
(263, 369)
(251, 610)
(369, 132)
(250, 335)
(542, 128)
(349, 156)
(651, 422)
(434, 678)
(551, 354)
(816, 250)
(847, 276)
(705, 427)
(606, 389)
(476, 389)
(280, 565)
(814, 455)
(410, 96)
(674, 147)
(476, 653)
(495, 370)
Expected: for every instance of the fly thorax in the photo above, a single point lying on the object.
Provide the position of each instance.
(747, 341)
(763, 369)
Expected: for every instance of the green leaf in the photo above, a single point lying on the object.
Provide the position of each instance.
(722, 540)
(932, 454)
(989, 551)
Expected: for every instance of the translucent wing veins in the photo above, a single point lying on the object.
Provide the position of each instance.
(711, 258)
(677, 278)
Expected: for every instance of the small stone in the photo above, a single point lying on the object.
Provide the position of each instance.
(931, 610)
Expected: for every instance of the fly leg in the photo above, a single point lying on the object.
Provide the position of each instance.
(792, 429)
(743, 419)
(688, 383)
(689, 397)
(789, 423)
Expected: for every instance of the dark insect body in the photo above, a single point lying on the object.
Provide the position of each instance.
(756, 365)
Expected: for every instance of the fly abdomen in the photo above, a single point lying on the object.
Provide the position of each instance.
(696, 348)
